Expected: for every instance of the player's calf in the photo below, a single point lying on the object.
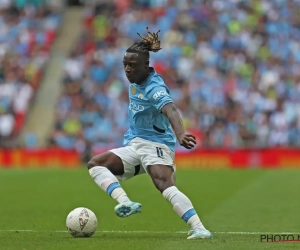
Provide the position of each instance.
(99, 169)
(164, 179)
(184, 208)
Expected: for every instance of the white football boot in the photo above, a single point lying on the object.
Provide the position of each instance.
(128, 208)
(199, 234)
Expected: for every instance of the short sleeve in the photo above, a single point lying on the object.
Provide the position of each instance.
(159, 96)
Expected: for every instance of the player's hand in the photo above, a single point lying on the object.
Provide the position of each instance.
(186, 140)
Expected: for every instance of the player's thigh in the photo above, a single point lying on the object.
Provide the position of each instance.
(109, 160)
(153, 153)
(158, 161)
(131, 162)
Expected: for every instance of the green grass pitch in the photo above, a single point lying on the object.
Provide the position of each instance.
(236, 205)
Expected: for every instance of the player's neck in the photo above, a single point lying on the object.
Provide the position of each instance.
(145, 78)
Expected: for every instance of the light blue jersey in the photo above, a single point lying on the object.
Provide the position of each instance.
(145, 117)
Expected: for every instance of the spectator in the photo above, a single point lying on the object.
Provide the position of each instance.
(6, 124)
(26, 35)
(232, 68)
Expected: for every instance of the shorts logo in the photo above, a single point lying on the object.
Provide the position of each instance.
(159, 93)
(133, 90)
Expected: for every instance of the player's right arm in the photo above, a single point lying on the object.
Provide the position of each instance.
(186, 140)
(159, 97)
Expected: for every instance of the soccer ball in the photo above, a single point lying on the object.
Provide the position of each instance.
(81, 222)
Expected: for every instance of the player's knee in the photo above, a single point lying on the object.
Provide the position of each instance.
(162, 176)
(98, 160)
(92, 163)
(162, 183)
(108, 160)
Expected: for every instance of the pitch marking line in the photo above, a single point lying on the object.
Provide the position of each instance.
(144, 232)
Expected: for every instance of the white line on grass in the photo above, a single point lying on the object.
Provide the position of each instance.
(184, 232)
(144, 232)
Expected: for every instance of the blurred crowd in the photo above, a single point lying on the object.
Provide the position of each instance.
(233, 69)
(27, 31)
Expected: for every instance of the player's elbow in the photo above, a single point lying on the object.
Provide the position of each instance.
(169, 109)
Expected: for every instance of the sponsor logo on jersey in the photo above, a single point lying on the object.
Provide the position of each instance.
(140, 96)
(159, 93)
(136, 107)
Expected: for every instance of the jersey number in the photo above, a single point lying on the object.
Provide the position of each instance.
(159, 152)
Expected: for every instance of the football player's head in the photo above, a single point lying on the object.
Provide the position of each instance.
(136, 58)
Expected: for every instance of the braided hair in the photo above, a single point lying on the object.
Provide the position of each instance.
(149, 43)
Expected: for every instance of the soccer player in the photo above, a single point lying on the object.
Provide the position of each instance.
(149, 142)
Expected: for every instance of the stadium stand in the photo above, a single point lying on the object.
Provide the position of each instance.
(232, 68)
(27, 31)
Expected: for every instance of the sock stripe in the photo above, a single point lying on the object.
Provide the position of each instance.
(188, 214)
(112, 187)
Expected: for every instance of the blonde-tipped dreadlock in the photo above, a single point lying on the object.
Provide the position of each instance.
(149, 43)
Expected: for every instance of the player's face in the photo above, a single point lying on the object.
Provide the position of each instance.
(136, 67)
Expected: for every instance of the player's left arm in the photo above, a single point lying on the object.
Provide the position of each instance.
(186, 140)
(161, 100)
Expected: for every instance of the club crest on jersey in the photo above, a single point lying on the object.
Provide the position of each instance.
(133, 90)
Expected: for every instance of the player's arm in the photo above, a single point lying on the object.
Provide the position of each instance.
(171, 112)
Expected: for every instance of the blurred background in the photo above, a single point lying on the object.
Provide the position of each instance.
(232, 67)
